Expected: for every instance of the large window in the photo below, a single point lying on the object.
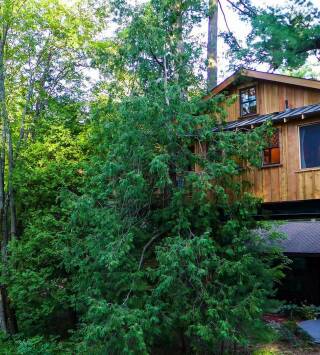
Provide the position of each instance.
(310, 146)
(271, 155)
(248, 101)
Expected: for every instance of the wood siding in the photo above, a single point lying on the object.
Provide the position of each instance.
(271, 97)
(287, 182)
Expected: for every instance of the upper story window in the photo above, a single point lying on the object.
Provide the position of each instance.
(310, 146)
(248, 101)
(271, 154)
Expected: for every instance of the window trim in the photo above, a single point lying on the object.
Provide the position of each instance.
(241, 103)
(272, 165)
(299, 145)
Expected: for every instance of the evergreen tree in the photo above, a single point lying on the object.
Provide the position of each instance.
(163, 256)
(284, 36)
(133, 228)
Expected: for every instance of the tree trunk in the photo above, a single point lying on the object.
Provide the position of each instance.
(11, 197)
(177, 38)
(8, 322)
(212, 47)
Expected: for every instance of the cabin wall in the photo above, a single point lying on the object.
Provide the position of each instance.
(271, 98)
(286, 182)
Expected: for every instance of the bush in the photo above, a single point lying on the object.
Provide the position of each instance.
(289, 332)
(304, 311)
(37, 345)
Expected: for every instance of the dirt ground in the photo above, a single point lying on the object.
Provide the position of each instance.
(286, 349)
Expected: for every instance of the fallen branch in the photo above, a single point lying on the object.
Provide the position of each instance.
(141, 263)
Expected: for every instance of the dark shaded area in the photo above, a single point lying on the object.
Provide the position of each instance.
(302, 282)
(290, 210)
(310, 145)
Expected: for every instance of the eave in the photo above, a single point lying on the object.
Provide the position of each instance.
(255, 74)
(276, 117)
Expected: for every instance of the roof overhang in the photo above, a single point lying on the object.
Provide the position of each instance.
(276, 118)
(255, 74)
(293, 210)
(299, 237)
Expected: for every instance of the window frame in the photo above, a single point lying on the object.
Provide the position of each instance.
(241, 103)
(316, 123)
(263, 165)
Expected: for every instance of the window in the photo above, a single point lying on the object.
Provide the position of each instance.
(248, 101)
(310, 146)
(271, 155)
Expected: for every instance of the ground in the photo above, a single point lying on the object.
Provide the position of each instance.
(286, 349)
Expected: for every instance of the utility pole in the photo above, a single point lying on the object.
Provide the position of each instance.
(212, 47)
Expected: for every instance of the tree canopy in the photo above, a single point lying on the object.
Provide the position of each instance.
(283, 36)
(125, 228)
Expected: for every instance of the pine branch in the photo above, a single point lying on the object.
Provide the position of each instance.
(249, 12)
(227, 25)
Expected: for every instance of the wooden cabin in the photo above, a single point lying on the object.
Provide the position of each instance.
(290, 169)
(288, 180)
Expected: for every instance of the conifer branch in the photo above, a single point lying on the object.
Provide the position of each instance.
(227, 25)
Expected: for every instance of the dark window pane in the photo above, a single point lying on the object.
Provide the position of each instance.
(253, 107)
(266, 157)
(310, 146)
(274, 141)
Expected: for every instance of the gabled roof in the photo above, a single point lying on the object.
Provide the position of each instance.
(247, 73)
(276, 117)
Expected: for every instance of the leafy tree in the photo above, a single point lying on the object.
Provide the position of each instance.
(37, 280)
(42, 56)
(284, 36)
(308, 71)
(160, 255)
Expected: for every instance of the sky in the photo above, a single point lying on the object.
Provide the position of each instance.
(239, 28)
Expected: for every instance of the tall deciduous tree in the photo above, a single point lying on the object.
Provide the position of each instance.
(41, 56)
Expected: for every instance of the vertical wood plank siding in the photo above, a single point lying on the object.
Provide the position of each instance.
(271, 98)
(286, 182)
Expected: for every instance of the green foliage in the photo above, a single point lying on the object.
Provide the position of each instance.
(43, 93)
(46, 166)
(119, 240)
(289, 332)
(33, 346)
(304, 311)
(38, 282)
(307, 71)
(283, 36)
(161, 256)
